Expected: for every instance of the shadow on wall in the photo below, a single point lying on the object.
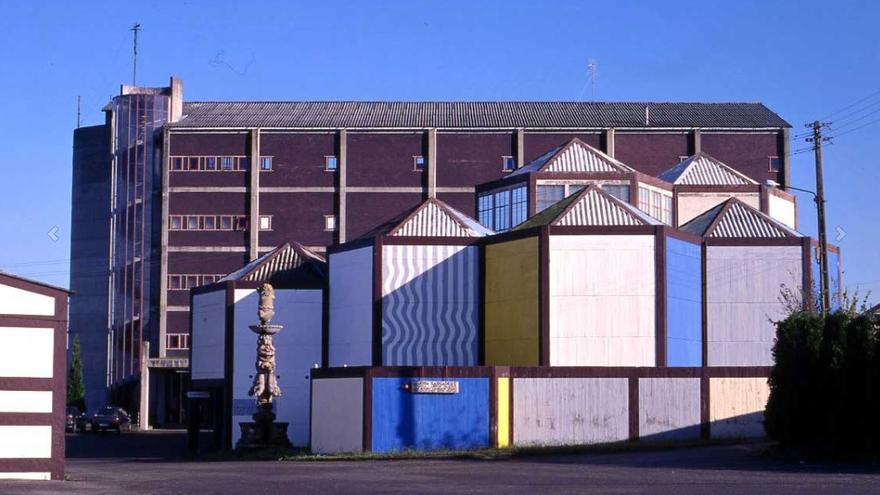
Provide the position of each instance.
(430, 307)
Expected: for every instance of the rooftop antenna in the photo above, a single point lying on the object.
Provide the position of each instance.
(78, 108)
(135, 29)
(592, 67)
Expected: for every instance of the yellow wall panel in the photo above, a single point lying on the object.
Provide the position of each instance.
(736, 406)
(512, 330)
(503, 416)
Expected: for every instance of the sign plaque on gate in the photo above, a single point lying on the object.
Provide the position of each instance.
(433, 387)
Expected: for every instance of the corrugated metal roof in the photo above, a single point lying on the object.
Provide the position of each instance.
(573, 156)
(477, 114)
(287, 264)
(588, 208)
(432, 218)
(704, 170)
(733, 218)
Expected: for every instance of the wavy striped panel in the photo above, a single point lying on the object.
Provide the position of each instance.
(430, 301)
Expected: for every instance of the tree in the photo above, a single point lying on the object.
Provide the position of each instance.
(76, 387)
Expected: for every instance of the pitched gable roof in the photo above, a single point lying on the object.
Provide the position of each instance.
(704, 170)
(432, 218)
(288, 264)
(587, 208)
(735, 219)
(573, 156)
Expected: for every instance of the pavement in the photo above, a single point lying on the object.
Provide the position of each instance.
(156, 463)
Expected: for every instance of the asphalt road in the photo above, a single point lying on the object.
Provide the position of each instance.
(154, 463)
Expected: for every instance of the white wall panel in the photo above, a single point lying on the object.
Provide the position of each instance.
(691, 205)
(736, 407)
(25, 401)
(35, 475)
(743, 289)
(669, 408)
(351, 307)
(15, 301)
(26, 352)
(25, 442)
(208, 335)
(782, 210)
(338, 415)
(570, 411)
(602, 300)
(297, 350)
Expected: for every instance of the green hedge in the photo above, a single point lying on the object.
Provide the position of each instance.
(825, 384)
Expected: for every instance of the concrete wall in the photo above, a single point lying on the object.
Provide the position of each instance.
(669, 409)
(684, 303)
(208, 335)
(351, 307)
(512, 303)
(743, 289)
(430, 305)
(602, 300)
(570, 411)
(337, 415)
(297, 347)
(736, 408)
(693, 204)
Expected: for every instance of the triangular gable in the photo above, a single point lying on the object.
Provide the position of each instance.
(704, 170)
(289, 263)
(590, 207)
(735, 219)
(434, 218)
(575, 156)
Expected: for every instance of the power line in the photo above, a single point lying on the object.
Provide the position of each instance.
(875, 93)
(857, 128)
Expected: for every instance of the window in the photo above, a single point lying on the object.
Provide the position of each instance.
(177, 341)
(177, 163)
(485, 207)
(775, 163)
(225, 222)
(174, 282)
(192, 281)
(508, 164)
(682, 158)
(519, 207)
(619, 191)
(192, 222)
(548, 196)
(176, 222)
(656, 204)
(240, 223)
(193, 163)
(265, 163)
(265, 222)
(502, 211)
(329, 222)
(210, 163)
(243, 163)
(330, 163)
(209, 223)
(225, 163)
(418, 163)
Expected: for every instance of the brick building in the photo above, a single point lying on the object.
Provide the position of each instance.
(201, 188)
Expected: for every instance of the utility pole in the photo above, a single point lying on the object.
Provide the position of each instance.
(135, 30)
(817, 139)
(592, 67)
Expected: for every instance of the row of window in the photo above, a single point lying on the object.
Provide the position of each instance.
(503, 210)
(186, 282)
(656, 204)
(229, 222)
(177, 341)
(241, 163)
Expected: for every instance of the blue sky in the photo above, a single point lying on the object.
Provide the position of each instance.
(660, 51)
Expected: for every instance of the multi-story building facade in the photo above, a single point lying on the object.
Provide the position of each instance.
(201, 188)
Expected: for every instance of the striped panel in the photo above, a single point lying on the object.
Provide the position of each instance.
(740, 221)
(287, 259)
(581, 158)
(431, 221)
(430, 305)
(594, 208)
(706, 171)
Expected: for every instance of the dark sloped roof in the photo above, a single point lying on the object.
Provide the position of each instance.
(590, 207)
(735, 219)
(464, 114)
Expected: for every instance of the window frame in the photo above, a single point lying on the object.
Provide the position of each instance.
(330, 223)
(327, 161)
(504, 161)
(424, 163)
(770, 167)
(263, 161)
(268, 219)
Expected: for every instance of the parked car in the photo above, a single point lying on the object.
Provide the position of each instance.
(73, 419)
(110, 418)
